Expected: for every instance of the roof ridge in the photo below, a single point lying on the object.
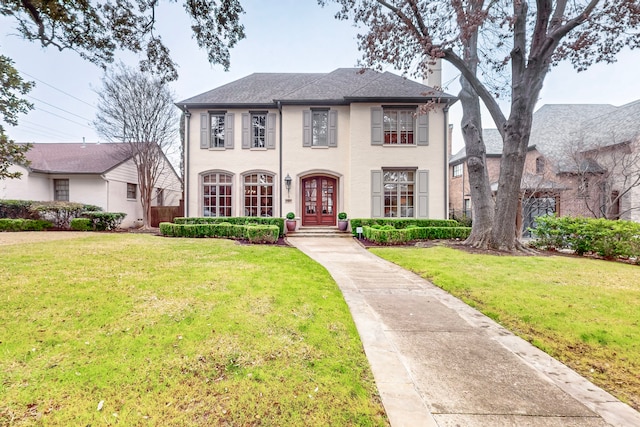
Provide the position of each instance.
(322, 76)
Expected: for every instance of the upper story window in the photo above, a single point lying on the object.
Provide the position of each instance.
(61, 190)
(457, 170)
(398, 125)
(540, 165)
(216, 130)
(132, 191)
(258, 130)
(319, 128)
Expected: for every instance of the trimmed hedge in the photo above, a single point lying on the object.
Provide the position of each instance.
(401, 223)
(238, 220)
(389, 235)
(81, 224)
(607, 238)
(17, 209)
(251, 232)
(104, 221)
(19, 224)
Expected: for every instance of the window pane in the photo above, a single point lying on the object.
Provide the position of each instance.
(259, 129)
(320, 128)
(398, 125)
(217, 131)
(258, 195)
(61, 190)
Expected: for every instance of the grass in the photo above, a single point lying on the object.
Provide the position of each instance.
(584, 312)
(173, 332)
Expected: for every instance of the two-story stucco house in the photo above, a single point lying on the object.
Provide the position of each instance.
(316, 144)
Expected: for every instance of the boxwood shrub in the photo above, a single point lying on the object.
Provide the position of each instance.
(238, 220)
(254, 233)
(81, 224)
(402, 223)
(387, 234)
(19, 224)
(607, 238)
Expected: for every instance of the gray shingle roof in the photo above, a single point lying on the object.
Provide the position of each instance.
(557, 128)
(74, 158)
(341, 85)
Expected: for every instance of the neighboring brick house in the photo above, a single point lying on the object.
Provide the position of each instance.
(103, 175)
(583, 160)
(317, 144)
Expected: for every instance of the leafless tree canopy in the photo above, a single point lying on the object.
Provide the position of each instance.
(137, 109)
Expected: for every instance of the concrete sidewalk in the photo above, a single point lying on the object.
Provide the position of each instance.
(438, 362)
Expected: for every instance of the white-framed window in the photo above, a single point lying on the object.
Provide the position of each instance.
(466, 208)
(258, 193)
(160, 196)
(319, 128)
(399, 193)
(216, 194)
(216, 123)
(258, 130)
(540, 165)
(132, 191)
(61, 190)
(457, 170)
(398, 125)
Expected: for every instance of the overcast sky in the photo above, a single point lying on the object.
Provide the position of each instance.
(282, 36)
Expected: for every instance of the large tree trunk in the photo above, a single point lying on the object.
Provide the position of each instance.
(480, 188)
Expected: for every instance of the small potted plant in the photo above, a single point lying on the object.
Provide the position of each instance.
(291, 221)
(343, 223)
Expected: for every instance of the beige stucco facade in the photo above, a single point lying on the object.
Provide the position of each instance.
(353, 162)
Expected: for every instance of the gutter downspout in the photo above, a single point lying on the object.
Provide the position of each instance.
(187, 132)
(280, 156)
(445, 110)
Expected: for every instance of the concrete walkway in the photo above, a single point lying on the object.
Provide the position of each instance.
(438, 362)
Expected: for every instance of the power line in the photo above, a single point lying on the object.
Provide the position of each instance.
(63, 118)
(59, 90)
(32, 125)
(58, 108)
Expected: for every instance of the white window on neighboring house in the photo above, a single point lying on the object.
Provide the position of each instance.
(61, 190)
(583, 187)
(216, 194)
(258, 194)
(457, 170)
(132, 191)
(399, 195)
(159, 197)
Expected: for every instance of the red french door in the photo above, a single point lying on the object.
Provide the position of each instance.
(319, 193)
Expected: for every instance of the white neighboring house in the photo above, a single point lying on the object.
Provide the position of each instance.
(316, 144)
(97, 174)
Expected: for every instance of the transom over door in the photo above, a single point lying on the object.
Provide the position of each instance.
(319, 195)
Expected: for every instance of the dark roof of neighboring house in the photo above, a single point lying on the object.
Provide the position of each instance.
(558, 128)
(343, 85)
(75, 158)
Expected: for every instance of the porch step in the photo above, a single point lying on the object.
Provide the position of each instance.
(318, 232)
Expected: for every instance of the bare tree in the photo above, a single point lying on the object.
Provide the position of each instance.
(518, 42)
(137, 108)
(604, 178)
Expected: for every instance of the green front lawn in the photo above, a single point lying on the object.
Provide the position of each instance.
(174, 332)
(584, 312)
